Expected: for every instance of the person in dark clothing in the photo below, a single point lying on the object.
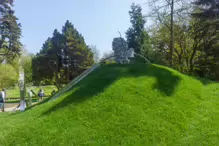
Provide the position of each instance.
(53, 92)
(41, 94)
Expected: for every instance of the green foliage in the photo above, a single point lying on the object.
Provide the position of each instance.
(195, 41)
(8, 76)
(137, 36)
(96, 53)
(206, 9)
(206, 31)
(146, 48)
(27, 67)
(14, 93)
(134, 34)
(51, 63)
(10, 31)
(122, 105)
(183, 46)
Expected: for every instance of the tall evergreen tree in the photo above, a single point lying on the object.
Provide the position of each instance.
(10, 30)
(134, 33)
(75, 47)
(66, 54)
(206, 13)
(137, 36)
(207, 9)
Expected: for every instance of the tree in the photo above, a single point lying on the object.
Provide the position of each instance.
(8, 77)
(168, 13)
(96, 53)
(108, 57)
(206, 9)
(46, 65)
(206, 15)
(146, 46)
(190, 40)
(26, 64)
(184, 45)
(171, 32)
(10, 31)
(63, 57)
(135, 32)
(80, 55)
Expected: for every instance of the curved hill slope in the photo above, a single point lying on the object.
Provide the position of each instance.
(122, 105)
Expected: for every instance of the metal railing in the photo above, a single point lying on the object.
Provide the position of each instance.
(85, 74)
(76, 80)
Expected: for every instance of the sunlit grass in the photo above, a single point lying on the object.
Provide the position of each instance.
(122, 105)
(15, 93)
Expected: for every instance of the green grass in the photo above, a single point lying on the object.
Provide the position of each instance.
(15, 93)
(34, 99)
(122, 105)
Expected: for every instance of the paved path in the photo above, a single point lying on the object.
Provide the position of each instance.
(9, 107)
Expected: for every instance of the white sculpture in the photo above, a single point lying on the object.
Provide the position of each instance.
(22, 105)
(131, 53)
(120, 49)
(30, 97)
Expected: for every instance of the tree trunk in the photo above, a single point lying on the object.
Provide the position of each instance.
(191, 60)
(171, 35)
(57, 82)
(180, 63)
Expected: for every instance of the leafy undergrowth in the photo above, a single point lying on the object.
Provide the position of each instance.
(122, 105)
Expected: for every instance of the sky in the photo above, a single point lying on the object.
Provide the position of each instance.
(97, 20)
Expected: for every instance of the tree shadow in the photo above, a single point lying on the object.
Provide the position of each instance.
(39, 103)
(99, 80)
(204, 81)
(30, 107)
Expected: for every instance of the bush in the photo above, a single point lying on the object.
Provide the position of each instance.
(8, 76)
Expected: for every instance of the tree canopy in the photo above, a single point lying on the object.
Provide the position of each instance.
(195, 40)
(135, 32)
(8, 76)
(62, 57)
(10, 33)
(137, 36)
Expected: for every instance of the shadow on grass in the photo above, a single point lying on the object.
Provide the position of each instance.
(39, 103)
(104, 77)
(30, 107)
(204, 81)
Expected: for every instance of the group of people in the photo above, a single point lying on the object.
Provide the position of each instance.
(3, 97)
(41, 93)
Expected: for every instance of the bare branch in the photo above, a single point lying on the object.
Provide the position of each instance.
(162, 21)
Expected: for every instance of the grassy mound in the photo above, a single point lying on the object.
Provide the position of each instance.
(122, 105)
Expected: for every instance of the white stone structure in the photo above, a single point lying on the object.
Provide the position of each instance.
(120, 49)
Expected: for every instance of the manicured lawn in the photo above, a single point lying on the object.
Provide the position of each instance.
(122, 105)
(15, 93)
